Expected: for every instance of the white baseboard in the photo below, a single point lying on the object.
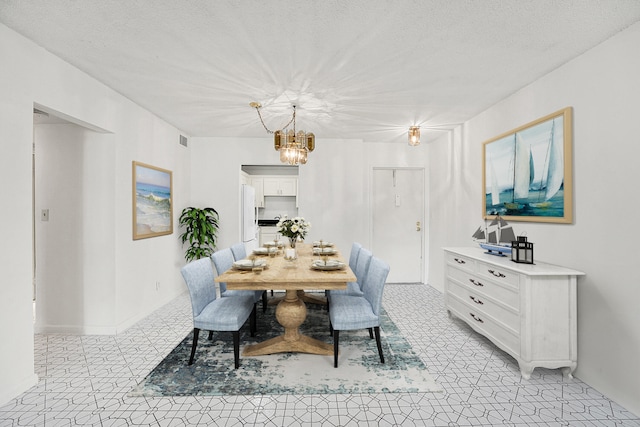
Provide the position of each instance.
(100, 330)
(74, 330)
(123, 326)
(9, 391)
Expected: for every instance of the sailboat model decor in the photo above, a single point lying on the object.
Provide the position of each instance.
(497, 237)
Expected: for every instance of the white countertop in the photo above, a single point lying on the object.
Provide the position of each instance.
(539, 268)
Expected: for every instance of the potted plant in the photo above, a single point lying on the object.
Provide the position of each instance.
(201, 228)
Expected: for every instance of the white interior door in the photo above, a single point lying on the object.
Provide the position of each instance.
(398, 222)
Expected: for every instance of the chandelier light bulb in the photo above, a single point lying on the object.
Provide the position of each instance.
(414, 136)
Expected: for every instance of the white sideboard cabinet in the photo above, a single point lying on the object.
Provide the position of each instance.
(529, 311)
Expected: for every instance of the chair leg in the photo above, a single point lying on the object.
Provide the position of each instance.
(253, 322)
(370, 333)
(210, 335)
(377, 330)
(336, 336)
(196, 333)
(330, 328)
(236, 349)
(264, 301)
(271, 292)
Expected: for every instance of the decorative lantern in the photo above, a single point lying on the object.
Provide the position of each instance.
(522, 251)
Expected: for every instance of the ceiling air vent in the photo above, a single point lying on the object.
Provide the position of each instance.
(183, 140)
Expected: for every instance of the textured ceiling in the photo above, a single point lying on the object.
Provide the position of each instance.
(357, 69)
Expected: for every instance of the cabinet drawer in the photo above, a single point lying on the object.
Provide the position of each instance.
(461, 262)
(501, 336)
(484, 305)
(503, 293)
(498, 274)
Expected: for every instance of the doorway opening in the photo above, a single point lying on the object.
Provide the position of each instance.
(72, 174)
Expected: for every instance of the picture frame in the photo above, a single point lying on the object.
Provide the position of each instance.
(527, 171)
(152, 201)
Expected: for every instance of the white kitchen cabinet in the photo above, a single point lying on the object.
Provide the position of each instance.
(280, 186)
(258, 184)
(529, 311)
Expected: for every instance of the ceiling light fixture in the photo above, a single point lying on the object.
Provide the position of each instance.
(293, 147)
(414, 136)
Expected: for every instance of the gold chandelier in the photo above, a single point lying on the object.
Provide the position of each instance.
(293, 146)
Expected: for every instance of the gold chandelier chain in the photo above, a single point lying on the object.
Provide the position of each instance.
(293, 120)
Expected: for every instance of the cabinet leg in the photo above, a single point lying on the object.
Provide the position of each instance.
(567, 371)
(526, 370)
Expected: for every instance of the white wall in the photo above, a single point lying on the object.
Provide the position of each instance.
(31, 75)
(603, 88)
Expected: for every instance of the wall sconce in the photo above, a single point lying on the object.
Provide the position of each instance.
(522, 251)
(414, 136)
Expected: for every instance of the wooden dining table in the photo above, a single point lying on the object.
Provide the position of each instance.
(294, 277)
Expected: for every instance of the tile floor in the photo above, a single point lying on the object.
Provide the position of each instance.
(84, 380)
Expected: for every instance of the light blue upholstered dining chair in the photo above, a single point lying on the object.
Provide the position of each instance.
(223, 260)
(215, 314)
(239, 251)
(353, 258)
(351, 312)
(359, 269)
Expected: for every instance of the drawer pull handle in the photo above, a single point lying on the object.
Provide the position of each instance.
(475, 282)
(497, 274)
(476, 300)
(476, 318)
(460, 261)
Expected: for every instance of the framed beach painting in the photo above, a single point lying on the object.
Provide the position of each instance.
(152, 201)
(527, 171)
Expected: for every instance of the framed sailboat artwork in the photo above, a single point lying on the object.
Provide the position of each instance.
(527, 173)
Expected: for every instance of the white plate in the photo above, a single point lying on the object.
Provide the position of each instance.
(330, 262)
(264, 251)
(317, 243)
(247, 264)
(330, 265)
(324, 251)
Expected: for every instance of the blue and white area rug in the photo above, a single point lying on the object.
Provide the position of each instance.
(359, 368)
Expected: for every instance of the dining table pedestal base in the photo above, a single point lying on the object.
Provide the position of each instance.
(290, 313)
(309, 298)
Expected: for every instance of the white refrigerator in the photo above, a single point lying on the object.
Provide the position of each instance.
(248, 219)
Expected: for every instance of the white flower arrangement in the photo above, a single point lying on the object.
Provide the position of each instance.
(293, 228)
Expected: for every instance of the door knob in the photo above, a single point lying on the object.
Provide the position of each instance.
(418, 227)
